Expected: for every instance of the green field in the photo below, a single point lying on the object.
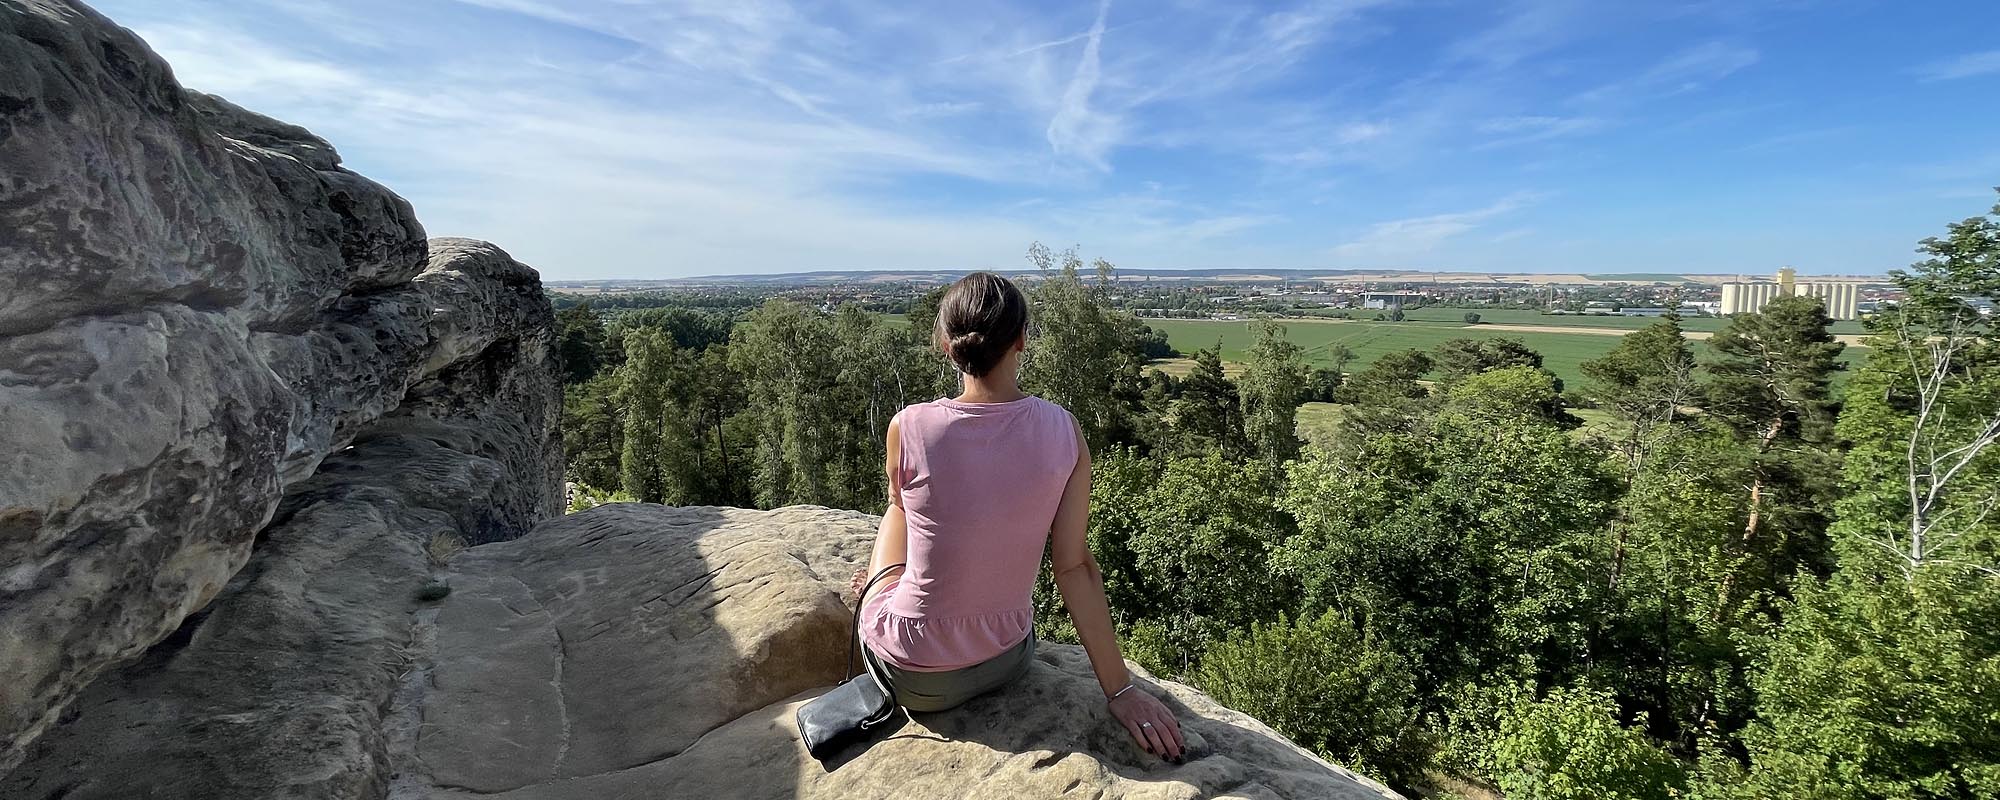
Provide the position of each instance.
(1426, 328)
(1562, 353)
(1655, 277)
(1516, 316)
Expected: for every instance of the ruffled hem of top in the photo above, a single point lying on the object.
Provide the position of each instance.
(939, 644)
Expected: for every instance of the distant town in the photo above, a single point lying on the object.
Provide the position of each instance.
(1240, 294)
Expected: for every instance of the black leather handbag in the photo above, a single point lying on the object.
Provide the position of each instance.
(845, 715)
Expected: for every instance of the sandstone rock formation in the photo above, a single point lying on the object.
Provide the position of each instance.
(639, 651)
(201, 305)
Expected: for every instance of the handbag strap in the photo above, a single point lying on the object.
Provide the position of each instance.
(880, 676)
(854, 630)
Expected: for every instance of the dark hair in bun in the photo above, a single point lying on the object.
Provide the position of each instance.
(980, 317)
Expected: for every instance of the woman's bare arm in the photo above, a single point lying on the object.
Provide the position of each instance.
(1082, 586)
(892, 540)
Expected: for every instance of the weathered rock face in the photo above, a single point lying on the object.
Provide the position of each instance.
(280, 687)
(640, 651)
(201, 305)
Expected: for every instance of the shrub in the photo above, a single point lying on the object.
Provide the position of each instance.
(434, 591)
(1471, 318)
(584, 497)
(1321, 384)
(1327, 685)
(1570, 746)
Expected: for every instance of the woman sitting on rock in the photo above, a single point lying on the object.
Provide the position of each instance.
(977, 485)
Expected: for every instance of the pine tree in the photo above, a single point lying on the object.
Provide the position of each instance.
(1207, 414)
(1772, 385)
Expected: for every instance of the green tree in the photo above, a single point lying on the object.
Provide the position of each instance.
(1206, 414)
(1391, 379)
(1885, 679)
(1151, 428)
(1082, 355)
(1273, 385)
(1458, 359)
(924, 311)
(658, 463)
(1152, 342)
(1329, 685)
(1201, 549)
(1506, 394)
(1882, 689)
(1570, 745)
(718, 398)
(1924, 416)
(881, 368)
(593, 431)
(785, 353)
(1386, 395)
(1691, 594)
(1322, 384)
(1338, 356)
(1646, 380)
(1771, 383)
(1470, 545)
(691, 328)
(580, 342)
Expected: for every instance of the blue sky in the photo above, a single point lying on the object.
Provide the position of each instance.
(618, 138)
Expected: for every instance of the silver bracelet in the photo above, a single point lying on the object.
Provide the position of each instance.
(1114, 695)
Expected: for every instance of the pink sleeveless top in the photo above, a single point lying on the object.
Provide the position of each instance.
(981, 482)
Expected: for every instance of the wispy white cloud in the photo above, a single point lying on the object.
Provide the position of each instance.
(1535, 128)
(1685, 71)
(1077, 129)
(1417, 237)
(1525, 29)
(1357, 132)
(1795, 139)
(1970, 65)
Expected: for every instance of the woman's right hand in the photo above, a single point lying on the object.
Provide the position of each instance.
(1150, 722)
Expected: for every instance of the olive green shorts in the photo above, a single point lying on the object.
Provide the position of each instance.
(937, 691)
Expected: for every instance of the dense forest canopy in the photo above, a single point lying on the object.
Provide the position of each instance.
(1748, 587)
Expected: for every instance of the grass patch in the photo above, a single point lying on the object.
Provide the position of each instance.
(1562, 353)
(443, 546)
(1319, 421)
(1182, 367)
